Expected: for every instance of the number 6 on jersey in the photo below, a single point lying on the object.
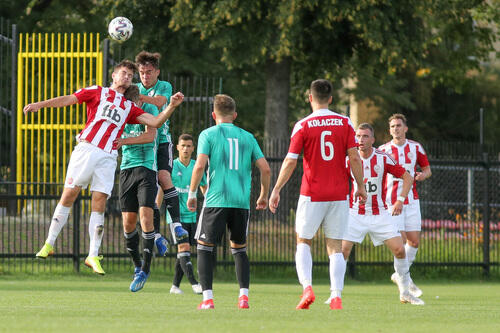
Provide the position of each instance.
(326, 144)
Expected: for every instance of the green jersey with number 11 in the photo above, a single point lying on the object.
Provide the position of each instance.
(231, 151)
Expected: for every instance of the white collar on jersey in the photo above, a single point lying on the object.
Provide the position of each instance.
(395, 144)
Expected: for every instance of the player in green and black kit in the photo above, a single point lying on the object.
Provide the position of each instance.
(181, 177)
(230, 151)
(138, 186)
(156, 92)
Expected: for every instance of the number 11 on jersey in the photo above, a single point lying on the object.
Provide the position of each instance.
(233, 153)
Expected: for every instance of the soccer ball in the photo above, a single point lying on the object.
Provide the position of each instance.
(120, 29)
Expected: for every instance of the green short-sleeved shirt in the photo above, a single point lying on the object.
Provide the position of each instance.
(231, 151)
(161, 88)
(181, 177)
(143, 154)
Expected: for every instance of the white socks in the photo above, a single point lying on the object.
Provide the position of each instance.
(243, 292)
(411, 253)
(303, 262)
(337, 273)
(96, 231)
(403, 270)
(59, 219)
(207, 294)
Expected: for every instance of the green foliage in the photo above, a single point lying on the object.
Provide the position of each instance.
(404, 55)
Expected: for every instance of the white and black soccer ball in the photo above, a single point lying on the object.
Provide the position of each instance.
(120, 29)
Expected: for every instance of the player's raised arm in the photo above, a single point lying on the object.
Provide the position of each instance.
(265, 181)
(56, 102)
(289, 164)
(159, 101)
(150, 120)
(148, 136)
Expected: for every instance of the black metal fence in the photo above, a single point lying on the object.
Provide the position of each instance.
(460, 227)
(8, 49)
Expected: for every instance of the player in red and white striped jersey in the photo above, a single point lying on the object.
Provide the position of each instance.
(411, 156)
(93, 161)
(373, 217)
(326, 138)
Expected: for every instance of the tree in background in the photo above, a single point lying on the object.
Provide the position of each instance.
(293, 42)
(403, 54)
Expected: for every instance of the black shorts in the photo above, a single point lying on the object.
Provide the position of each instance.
(190, 228)
(165, 156)
(213, 221)
(137, 189)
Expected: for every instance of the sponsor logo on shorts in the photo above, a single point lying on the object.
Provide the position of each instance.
(70, 181)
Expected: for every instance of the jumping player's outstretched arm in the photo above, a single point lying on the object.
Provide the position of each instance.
(148, 136)
(157, 100)
(289, 164)
(56, 102)
(150, 120)
(265, 181)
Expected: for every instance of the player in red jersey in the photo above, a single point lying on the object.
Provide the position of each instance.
(410, 154)
(372, 217)
(93, 160)
(326, 138)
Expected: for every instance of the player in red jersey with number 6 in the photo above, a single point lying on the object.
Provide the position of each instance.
(326, 138)
(93, 161)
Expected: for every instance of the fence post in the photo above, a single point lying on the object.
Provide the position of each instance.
(13, 123)
(352, 263)
(105, 56)
(486, 217)
(76, 235)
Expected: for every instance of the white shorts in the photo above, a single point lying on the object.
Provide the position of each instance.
(379, 227)
(410, 218)
(91, 165)
(310, 215)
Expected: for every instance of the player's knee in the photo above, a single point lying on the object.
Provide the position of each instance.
(184, 247)
(346, 250)
(205, 247)
(304, 240)
(413, 242)
(399, 252)
(238, 250)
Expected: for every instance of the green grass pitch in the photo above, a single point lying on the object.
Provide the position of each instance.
(104, 304)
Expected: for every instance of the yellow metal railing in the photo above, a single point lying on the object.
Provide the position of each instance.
(51, 65)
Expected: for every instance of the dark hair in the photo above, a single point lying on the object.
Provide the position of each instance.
(127, 64)
(185, 137)
(132, 93)
(144, 58)
(398, 116)
(224, 105)
(321, 90)
(368, 127)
